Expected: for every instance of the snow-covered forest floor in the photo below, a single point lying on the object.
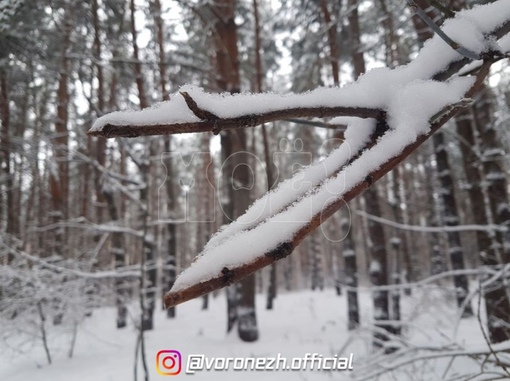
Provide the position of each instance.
(302, 322)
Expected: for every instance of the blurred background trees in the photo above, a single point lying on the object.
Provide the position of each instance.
(95, 205)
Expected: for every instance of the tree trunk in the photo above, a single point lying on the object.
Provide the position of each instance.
(241, 305)
(315, 256)
(351, 275)
(492, 153)
(170, 260)
(378, 264)
(450, 217)
(449, 206)
(100, 144)
(59, 172)
(119, 256)
(334, 55)
(136, 56)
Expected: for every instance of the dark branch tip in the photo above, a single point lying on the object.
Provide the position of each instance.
(193, 106)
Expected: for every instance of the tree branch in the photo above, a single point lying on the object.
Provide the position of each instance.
(212, 123)
(234, 274)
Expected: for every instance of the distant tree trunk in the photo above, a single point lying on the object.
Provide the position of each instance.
(315, 256)
(450, 216)
(401, 256)
(422, 29)
(288, 273)
(161, 49)
(436, 255)
(59, 171)
(449, 206)
(100, 143)
(241, 305)
(351, 275)
(334, 55)
(148, 248)
(144, 166)
(399, 239)
(392, 45)
(136, 56)
(396, 244)
(271, 290)
(170, 260)
(206, 200)
(492, 153)
(12, 222)
(378, 264)
(358, 59)
(119, 255)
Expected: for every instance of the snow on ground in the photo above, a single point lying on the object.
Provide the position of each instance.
(303, 322)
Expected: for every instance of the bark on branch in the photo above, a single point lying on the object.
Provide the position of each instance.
(229, 276)
(211, 122)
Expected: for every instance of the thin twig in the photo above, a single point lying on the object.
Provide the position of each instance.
(455, 46)
(251, 120)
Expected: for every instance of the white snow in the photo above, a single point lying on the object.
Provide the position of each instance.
(375, 267)
(302, 322)
(168, 112)
(357, 134)
(244, 246)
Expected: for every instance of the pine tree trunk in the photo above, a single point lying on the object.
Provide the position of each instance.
(59, 176)
(403, 255)
(315, 256)
(136, 56)
(334, 55)
(450, 217)
(351, 275)
(378, 267)
(395, 276)
(378, 264)
(170, 259)
(496, 297)
(241, 297)
(119, 255)
(149, 282)
(100, 143)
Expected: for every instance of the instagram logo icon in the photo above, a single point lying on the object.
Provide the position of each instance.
(168, 362)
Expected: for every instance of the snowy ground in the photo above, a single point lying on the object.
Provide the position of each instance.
(303, 322)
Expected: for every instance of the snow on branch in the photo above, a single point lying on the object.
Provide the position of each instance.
(205, 112)
(402, 108)
(275, 238)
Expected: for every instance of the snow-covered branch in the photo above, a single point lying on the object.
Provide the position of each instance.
(193, 110)
(401, 107)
